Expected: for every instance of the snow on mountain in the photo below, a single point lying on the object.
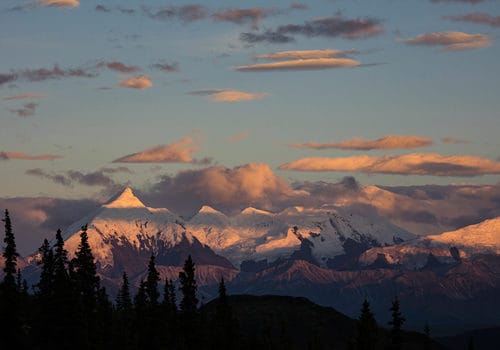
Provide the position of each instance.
(124, 226)
(445, 248)
(482, 236)
(125, 222)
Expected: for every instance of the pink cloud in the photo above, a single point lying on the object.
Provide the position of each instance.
(407, 164)
(58, 3)
(222, 95)
(24, 156)
(301, 64)
(25, 96)
(452, 41)
(177, 152)
(138, 82)
(385, 142)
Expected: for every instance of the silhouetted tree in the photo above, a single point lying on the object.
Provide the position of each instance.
(471, 345)
(169, 298)
(367, 329)
(152, 280)
(396, 322)
(189, 302)
(10, 255)
(123, 299)
(11, 330)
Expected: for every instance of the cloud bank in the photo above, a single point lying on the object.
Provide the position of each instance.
(407, 164)
(478, 18)
(451, 41)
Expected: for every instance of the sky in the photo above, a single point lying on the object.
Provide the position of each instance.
(98, 94)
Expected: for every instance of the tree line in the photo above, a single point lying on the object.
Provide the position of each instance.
(69, 308)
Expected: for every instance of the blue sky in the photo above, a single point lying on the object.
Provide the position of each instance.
(423, 89)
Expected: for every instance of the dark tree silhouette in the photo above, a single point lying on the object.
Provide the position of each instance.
(396, 322)
(123, 299)
(10, 255)
(366, 338)
(11, 330)
(189, 302)
(152, 280)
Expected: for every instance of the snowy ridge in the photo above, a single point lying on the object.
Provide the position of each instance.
(253, 234)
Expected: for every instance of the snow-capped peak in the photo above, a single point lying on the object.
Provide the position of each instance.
(125, 199)
(485, 234)
(208, 210)
(253, 211)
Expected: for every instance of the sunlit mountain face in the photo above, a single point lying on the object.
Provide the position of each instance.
(327, 254)
(333, 150)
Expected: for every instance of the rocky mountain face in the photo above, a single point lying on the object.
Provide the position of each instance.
(331, 256)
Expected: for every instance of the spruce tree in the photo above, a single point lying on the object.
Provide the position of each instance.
(84, 276)
(367, 329)
(85, 273)
(152, 280)
(189, 302)
(169, 298)
(11, 330)
(396, 322)
(46, 261)
(10, 255)
(123, 299)
(225, 329)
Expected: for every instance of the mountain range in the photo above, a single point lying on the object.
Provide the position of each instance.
(327, 254)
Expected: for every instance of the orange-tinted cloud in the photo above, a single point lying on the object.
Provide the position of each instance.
(451, 41)
(24, 156)
(385, 142)
(407, 164)
(225, 188)
(138, 82)
(305, 54)
(222, 95)
(58, 3)
(177, 152)
(25, 96)
(307, 64)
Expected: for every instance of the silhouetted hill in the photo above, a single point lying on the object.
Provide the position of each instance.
(278, 322)
(483, 339)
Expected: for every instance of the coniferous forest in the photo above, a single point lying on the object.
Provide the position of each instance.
(68, 308)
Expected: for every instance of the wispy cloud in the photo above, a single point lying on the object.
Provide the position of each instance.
(42, 74)
(222, 95)
(176, 152)
(25, 96)
(71, 177)
(359, 144)
(451, 41)
(301, 64)
(305, 54)
(24, 156)
(102, 8)
(244, 16)
(408, 164)
(478, 18)
(139, 82)
(117, 66)
(186, 13)
(58, 3)
(331, 27)
(167, 67)
(27, 110)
